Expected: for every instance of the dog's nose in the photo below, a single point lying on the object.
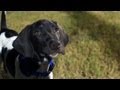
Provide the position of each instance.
(54, 45)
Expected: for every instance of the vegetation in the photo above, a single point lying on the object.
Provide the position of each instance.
(94, 47)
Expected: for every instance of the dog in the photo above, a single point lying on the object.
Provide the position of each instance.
(33, 49)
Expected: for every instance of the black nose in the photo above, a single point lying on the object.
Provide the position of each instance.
(54, 45)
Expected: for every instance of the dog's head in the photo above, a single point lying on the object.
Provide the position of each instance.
(42, 37)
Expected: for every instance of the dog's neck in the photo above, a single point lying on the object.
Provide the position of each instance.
(44, 57)
(32, 66)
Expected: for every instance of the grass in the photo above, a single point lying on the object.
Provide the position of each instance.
(94, 48)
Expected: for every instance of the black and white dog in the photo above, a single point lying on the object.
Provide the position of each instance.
(29, 54)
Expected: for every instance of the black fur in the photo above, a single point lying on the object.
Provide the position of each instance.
(37, 38)
(10, 61)
(3, 21)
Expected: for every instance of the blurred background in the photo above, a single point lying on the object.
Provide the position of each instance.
(94, 48)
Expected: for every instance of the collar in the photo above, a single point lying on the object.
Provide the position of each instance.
(32, 70)
(45, 73)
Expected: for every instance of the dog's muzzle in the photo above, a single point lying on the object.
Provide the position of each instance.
(56, 46)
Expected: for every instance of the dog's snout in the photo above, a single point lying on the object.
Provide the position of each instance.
(54, 45)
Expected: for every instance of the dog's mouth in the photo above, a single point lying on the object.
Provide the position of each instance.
(55, 52)
(58, 51)
(61, 50)
(54, 55)
(56, 47)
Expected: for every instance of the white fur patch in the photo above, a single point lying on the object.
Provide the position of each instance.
(6, 42)
(51, 75)
(45, 59)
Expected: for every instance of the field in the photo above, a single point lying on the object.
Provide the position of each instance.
(94, 48)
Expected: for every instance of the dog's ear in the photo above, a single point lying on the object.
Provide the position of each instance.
(23, 44)
(64, 37)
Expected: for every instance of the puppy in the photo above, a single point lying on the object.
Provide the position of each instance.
(33, 50)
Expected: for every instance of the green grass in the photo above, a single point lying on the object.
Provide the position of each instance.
(94, 47)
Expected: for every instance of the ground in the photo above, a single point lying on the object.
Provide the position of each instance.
(94, 47)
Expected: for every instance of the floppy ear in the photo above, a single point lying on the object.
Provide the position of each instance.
(64, 37)
(23, 44)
